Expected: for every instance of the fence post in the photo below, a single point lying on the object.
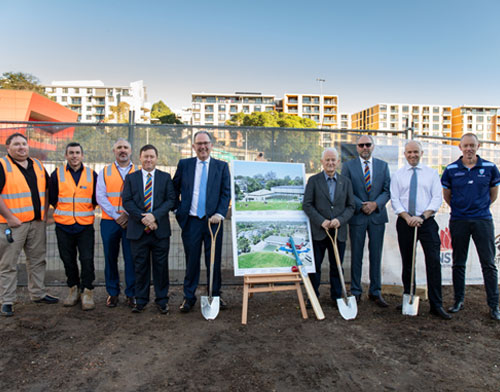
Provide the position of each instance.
(131, 128)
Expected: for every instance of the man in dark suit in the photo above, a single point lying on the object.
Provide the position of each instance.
(329, 204)
(371, 186)
(202, 184)
(148, 196)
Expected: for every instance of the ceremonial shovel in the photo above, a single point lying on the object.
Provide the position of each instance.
(210, 305)
(410, 301)
(348, 307)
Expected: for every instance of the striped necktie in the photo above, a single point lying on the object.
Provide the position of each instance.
(368, 178)
(148, 197)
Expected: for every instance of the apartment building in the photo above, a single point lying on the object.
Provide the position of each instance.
(484, 121)
(345, 121)
(323, 109)
(216, 109)
(430, 120)
(92, 99)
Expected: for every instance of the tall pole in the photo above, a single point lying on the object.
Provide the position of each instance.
(321, 104)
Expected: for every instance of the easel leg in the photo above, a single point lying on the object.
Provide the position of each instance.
(301, 301)
(244, 309)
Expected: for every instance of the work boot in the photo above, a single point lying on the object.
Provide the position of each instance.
(73, 296)
(88, 300)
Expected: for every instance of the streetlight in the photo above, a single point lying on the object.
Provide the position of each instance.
(321, 113)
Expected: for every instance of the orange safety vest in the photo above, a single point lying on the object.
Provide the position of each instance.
(74, 202)
(16, 192)
(114, 186)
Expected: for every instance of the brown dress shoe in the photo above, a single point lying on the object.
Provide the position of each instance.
(131, 302)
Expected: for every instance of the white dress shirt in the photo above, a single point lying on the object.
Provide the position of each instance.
(102, 198)
(144, 179)
(429, 191)
(196, 187)
(370, 165)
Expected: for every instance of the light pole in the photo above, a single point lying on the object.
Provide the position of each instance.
(321, 114)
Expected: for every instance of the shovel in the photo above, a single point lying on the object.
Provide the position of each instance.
(210, 305)
(410, 301)
(347, 306)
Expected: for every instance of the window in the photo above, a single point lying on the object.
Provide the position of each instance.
(222, 116)
(209, 108)
(65, 90)
(64, 99)
(269, 108)
(479, 127)
(383, 108)
(196, 106)
(233, 109)
(257, 108)
(125, 92)
(209, 117)
(77, 91)
(258, 100)
(89, 108)
(480, 118)
(111, 99)
(246, 109)
(196, 116)
(89, 91)
(79, 118)
(435, 118)
(406, 109)
(435, 127)
(222, 108)
(110, 91)
(88, 117)
(415, 109)
(435, 109)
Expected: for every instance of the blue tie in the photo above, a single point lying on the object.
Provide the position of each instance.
(412, 202)
(202, 196)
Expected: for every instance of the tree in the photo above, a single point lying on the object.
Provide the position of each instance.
(21, 81)
(163, 113)
(119, 113)
(299, 146)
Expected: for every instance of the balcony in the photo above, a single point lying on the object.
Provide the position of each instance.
(293, 100)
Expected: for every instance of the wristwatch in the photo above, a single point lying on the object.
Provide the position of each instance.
(423, 217)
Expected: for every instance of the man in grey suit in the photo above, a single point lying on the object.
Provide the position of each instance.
(329, 204)
(371, 186)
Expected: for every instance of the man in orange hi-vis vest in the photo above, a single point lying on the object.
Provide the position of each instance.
(23, 186)
(72, 194)
(114, 223)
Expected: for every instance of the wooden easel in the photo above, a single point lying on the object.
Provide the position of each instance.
(266, 283)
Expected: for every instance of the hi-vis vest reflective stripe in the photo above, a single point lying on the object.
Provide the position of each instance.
(74, 203)
(16, 192)
(114, 187)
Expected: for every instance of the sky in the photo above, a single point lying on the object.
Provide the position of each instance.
(440, 52)
(249, 168)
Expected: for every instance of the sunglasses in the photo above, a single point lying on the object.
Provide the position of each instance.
(361, 145)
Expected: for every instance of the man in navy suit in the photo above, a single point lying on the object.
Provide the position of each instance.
(371, 186)
(148, 196)
(202, 184)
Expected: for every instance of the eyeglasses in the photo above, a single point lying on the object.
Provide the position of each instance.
(361, 145)
(203, 143)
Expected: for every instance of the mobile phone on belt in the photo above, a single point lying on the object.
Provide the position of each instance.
(8, 234)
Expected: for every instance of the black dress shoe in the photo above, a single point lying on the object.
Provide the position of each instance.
(131, 302)
(379, 301)
(399, 308)
(222, 304)
(495, 314)
(163, 309)
(7, 311)
(48, 299)
(112, 301)
(138, 308)
(457, 306)
(440, 312)
(308, 304)
(186, 306)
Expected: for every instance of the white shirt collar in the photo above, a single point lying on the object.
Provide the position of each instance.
(198, 160)
(370, 161)
(145, 173)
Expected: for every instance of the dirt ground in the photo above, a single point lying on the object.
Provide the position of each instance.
(49, 347)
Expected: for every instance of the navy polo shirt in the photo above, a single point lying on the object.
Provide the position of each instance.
(470, 188)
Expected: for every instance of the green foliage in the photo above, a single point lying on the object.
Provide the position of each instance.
(282, 146)
(21, 81)
(163, 113)
(264, 260)
(119, 113)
